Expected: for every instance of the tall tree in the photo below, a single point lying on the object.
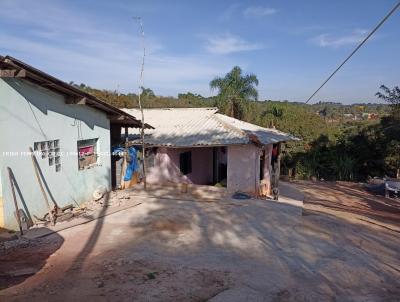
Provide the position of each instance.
(392, 96)
(147, 92)
(391, 127)
(234, 89)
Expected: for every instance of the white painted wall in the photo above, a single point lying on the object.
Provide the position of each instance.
(29, 113)
(243, 168)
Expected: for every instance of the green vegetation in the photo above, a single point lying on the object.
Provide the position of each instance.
(333, 146)
(234, 92)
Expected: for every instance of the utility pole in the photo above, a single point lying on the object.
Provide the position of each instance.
(139, 20)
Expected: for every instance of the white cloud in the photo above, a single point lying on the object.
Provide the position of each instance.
(84, 50)
(259, 11)
(229, 43)
(337, 41)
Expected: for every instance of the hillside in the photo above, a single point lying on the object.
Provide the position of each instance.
(338, 141)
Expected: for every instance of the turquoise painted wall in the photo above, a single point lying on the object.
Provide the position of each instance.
(30, 113)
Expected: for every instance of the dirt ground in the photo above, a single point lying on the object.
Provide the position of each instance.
(351, 200)
(343, 246)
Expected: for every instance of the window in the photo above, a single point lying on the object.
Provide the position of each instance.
(87, 153)
(185, 160)
(51, 151)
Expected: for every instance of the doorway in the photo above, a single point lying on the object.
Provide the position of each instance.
(220, 166)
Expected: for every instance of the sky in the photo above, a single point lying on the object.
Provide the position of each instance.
(292, 46)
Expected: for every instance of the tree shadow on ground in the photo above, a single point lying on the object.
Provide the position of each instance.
(193, 250)
(321, 254)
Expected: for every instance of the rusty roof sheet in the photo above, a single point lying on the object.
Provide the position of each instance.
(185, 127)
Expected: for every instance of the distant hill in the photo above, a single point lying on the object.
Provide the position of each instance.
(333, 135)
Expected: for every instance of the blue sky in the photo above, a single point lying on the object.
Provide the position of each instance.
(290, 45)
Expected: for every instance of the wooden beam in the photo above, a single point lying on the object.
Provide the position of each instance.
(21, 74)
(73, 100)
(7, 73)
(12, 73)
(116, 117)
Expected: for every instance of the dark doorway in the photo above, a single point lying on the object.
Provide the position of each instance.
(220, 160)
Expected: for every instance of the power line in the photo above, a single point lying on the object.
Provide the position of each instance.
(357, 48)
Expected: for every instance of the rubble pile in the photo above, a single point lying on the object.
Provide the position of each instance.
(112, 199)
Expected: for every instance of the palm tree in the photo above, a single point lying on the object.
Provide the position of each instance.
(234, 89)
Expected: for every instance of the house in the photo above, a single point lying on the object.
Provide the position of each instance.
(71, 132)
(201, 146)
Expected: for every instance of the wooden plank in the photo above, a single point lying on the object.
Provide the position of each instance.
(7, 73)
(21, 73)
(10, 175)
(12, 73)
(36, 169)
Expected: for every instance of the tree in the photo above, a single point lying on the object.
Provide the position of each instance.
(234, 90)
(147, 92)
(392, 96)
(391, 127)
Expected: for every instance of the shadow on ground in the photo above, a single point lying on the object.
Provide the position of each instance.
(249, 250)
(24, 258)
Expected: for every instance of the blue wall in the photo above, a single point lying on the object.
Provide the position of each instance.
(28, 114)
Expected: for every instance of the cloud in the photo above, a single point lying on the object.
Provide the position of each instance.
(259, 11)
(337, 41)
(229, 44)
(85, 50)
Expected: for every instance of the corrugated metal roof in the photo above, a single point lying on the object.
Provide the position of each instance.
(185, 127)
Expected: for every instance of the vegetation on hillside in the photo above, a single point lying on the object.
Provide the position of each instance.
(332, 147)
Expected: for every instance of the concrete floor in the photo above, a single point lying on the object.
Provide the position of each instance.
(185, 250)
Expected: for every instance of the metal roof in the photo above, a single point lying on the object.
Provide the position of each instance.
(188, 127)
(14, 68)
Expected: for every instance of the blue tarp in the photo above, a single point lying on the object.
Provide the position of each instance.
(132, 165)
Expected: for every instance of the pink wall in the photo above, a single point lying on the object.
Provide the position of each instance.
(243, 168)
(243, 172)
(166, 166)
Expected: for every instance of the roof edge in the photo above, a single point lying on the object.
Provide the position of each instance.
(40, 78)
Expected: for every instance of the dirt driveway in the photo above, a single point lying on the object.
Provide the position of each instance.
(179, 250)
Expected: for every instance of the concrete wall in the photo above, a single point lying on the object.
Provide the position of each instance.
(267, 167)
(166, 166)
(243, 171)
(29, 114)
(243, 168)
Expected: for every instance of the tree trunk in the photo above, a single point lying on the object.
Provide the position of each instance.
(398, 173)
